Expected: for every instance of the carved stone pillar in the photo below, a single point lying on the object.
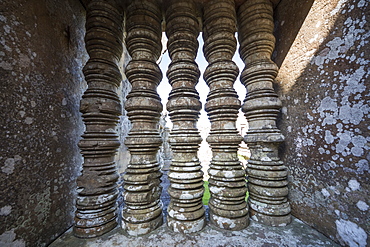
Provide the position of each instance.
(185, 211)
(227, 184)
(100, 106)
(143, 210)
(267, 175)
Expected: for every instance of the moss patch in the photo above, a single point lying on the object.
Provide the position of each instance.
(207, 194)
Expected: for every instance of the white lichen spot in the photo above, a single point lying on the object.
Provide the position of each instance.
(325, 192)
(344, 140)
(284, 110)
(328, 110)
(335, 157)
(186, 196)
(362, 205)
(139, 231)
(8, 166)
(329, 138)
(6, 210)
(265, 159)
(5, 65)
(28, 120)
(3, 18)
(8, 238)
(350, 233)
(353, 184)
(359, 143)
(221, 222)
(310, 142)
(215, 189)
(361, 3)
(6, 29)
(24, 61)
(212, 172)
(64, 101)
(353, 81)
(229, 174)
(362, 166)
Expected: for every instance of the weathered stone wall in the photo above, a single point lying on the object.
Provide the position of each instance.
(41, 58)
(324, 84)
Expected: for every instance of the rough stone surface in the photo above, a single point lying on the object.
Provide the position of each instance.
(41, 57)
(185, 210)
(267, 175)
(100, 106)
(324, 86)
(142, 211)
(296, 234)
(227, 184)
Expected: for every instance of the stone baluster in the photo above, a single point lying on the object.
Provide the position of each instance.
(100, 106)
(227, 184)
(143, 209)
(267, 175)
(185, 211)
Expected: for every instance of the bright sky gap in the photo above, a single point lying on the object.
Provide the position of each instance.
(164, 87)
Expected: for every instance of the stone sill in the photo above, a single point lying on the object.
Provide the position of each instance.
(256, 234)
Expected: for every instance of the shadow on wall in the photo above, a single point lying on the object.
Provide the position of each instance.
(289, 16)
(323, 83)
(41, 58)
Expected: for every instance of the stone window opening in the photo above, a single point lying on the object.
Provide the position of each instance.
(97, 199)
(203, 123)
